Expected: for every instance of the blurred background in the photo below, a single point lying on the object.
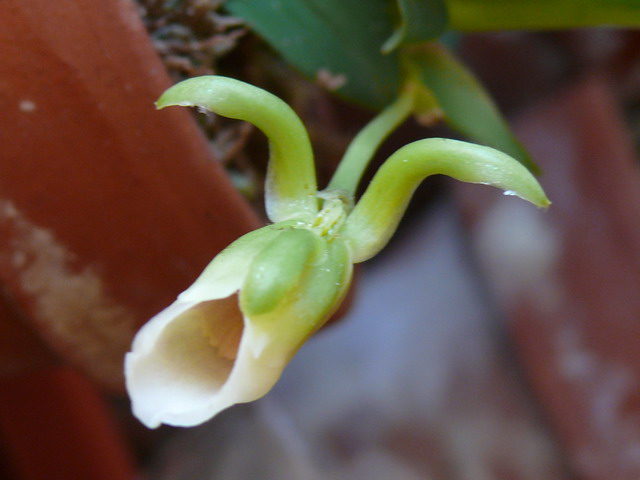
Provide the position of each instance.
(489, 340)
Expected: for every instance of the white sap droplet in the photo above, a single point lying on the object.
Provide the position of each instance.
(510, 193)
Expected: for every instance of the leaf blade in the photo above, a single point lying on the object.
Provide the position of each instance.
(338, 37)
(466, 105)
(420, 21)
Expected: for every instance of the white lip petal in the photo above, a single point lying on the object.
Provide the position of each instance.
(147, 336)
(186, 365)
(251, 378)
(182, 357)
(201, 355)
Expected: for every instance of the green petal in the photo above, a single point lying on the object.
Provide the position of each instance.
(291, 179)
(279, 333)
(228, 270)
(277, 269)
(366, 143)
(376, 216)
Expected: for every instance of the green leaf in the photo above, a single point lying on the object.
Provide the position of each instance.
(483, 15)
(466, 105)
(337, 38)
(419, 21)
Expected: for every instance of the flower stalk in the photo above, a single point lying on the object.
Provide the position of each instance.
(365, 144)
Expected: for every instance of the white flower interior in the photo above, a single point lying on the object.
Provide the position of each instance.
(199, 347)
(192, 357)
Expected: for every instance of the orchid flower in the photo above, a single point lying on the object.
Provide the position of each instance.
(229, 336)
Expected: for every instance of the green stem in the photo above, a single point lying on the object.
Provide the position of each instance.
(374, 219)
(496, 15)
(364, 145)
(291, 180)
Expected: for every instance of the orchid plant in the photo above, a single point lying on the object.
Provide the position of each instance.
(229, 336)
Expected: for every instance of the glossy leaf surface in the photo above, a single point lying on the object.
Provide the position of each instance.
(338, 39)
(466, 105)
(419, 21)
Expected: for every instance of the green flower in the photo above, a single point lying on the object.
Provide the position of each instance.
(229, 336)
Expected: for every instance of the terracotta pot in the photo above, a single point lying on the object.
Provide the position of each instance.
(108, 208)
(568, 279)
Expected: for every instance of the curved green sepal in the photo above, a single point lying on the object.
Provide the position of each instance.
(375, 217)
(277, 269)
(362, 148)
(291, 180)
